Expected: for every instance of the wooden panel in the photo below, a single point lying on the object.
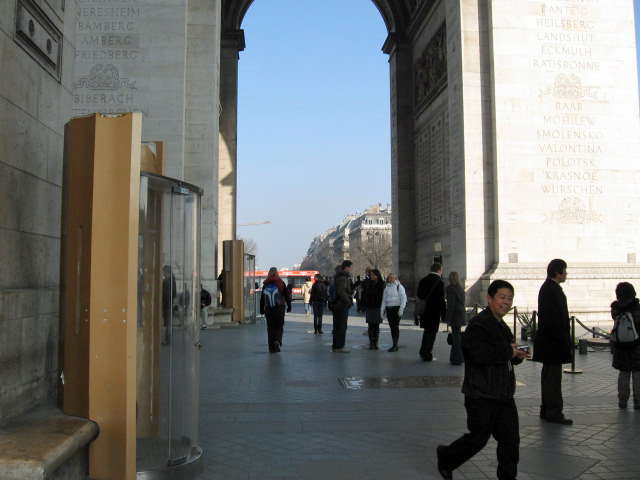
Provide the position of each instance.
(106, 197)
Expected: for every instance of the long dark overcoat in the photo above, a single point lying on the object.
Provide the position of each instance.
(553, 338)
(436, 308)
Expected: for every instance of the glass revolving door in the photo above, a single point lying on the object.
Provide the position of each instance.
(168, 335)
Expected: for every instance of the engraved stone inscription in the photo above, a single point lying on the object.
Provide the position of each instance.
(107, 46)
(432, 173)
(571, 143)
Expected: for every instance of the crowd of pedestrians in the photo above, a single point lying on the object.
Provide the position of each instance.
(487, 347)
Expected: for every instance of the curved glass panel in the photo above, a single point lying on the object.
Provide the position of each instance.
(168, 333)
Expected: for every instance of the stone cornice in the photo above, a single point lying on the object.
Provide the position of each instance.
(233, 39)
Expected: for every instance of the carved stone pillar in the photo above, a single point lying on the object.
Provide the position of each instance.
(402, 164)
(232, 43)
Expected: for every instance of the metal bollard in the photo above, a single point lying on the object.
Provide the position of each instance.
(582, 346)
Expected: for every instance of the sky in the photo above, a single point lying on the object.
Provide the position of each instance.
(313, 121)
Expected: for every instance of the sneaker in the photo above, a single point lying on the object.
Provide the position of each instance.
(341, 350)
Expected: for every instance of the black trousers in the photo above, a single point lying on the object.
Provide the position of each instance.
(394, 323)
(275, 325)
(428, 339)
(486, 418)
(340, 316)
(551, 390)
(318, 310)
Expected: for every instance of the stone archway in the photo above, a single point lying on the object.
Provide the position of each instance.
(503, 150)
(397, 16)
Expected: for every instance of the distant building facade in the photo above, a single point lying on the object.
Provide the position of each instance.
(363, 238)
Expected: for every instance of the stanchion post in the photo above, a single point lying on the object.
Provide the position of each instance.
(534, 325)
(573, 348)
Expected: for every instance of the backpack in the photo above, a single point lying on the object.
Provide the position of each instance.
(624, 330)
(332, 296)
(272, 296)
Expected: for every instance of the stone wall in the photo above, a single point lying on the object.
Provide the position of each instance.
(36, 54)
(161, 58)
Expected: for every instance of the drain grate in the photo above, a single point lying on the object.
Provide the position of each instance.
(359, 383)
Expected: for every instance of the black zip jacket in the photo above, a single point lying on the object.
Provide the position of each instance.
(488, 371)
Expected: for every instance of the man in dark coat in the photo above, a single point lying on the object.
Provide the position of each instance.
(553, 344)
(168, 294)
(341, 306)
(431, 289)
(489, 385)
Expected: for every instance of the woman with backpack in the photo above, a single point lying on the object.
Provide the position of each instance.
(394, 300)
(371, 302)
(455, 317)
(626, 356)
(272, 305)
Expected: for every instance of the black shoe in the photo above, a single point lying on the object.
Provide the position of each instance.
(560, 421)
(320, 331)
(426, 358)
(372, 346)
(393, 349)
(276, 346)
(315, 332)
(444, 471)
(375, 347)
(543, 412)
(622, 404)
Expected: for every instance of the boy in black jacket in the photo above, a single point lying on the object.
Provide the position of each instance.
(489, 384)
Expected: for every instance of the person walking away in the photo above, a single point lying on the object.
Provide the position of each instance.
(489, 385)
(456, 317)
(394, 300)
(205, 301)
(272, 305)
(552, 346)
(626, 356)
(306, 294)
(168, 295)
(318, 298)
(431, 290)
(340, 307)
(371, 302)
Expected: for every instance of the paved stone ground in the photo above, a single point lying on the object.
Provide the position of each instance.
(288, 415)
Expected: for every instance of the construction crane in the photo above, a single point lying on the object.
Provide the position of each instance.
(252, 223)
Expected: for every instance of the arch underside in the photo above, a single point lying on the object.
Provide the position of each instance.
(397, 14)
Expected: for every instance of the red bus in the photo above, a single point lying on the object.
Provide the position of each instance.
(296, 277)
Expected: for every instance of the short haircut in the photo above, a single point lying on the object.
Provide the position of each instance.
(346, 264)
(556, 265)
(497, 285)
(624, 291)
(436, 267)
(166, 269)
